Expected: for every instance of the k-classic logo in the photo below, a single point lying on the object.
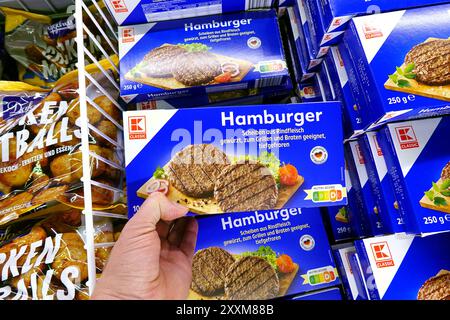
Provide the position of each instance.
(137, 128)
(371, 32)
(406, 137)
(382, 254)
(119, 6)
(127, 35)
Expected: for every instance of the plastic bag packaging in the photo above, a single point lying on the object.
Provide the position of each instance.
(44, 50)
(43, 259)
(40, 142)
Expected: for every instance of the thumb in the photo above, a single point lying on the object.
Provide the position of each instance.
(155, 208)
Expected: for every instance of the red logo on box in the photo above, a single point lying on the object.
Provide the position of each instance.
(377, 146)
(337, 22)
(119, 6)
(137, 128)
(371, 32)
(407, 137)
(127, 35)
(382, 254)
(360, 155)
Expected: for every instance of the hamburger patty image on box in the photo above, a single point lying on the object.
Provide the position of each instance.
(233, 159)
(209, 268)
(431, 62)
(251, 278)
(246, 186)
(196, 68)
(436, 288)
(160, 61)
(194, 170)
(261, 255)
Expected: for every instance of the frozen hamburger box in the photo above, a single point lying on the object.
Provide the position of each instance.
(344, 256)
(315, 49)
(401, 58)
(406, 267)
(321, 295)
(418, 161)
(360, 179)
(320, 37)
(336, 14)
(310, 91)
(236, 97)
(261, 255)
(381, 183)
(338, 218)
(306, 59)
(340, 83)
(128, 12)
(233, 159)
(198, 56)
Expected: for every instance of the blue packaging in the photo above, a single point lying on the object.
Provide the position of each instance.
(381, 183)
(322, 295)
(236, 97)
(339, 218)
(353, 288)
(406, 267)
(306, 59)
(354, 83)
(340, 82)
(206, 55)
(292, 241)
(310, 91)
(386, 51)
(356, 210)
(320, 37)
(359, 178)
(265, 139)
(336, 13)
(417, 160)
(300, 72)
(324, 75)
(128, 12)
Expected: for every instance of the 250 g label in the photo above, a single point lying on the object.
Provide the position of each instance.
(434, 219)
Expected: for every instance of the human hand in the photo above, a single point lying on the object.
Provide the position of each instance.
(153, 257)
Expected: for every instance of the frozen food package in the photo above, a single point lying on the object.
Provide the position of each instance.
(44, 259)
(40, 142)
(45, 50)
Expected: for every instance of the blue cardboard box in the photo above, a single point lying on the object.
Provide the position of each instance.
(381, 183)
(354, 83)
(340, 82)
(386, 50)
(325, 295)
(198, 56)
(406, 267)
(310, 91)
(291, 242)
(128, 12)
(321, 38)
(299, 71)
(359, 224)
(337, 13)
(360, 178)
(236, 97)
(307, 59)
(324, 75)
(339, 218)
(344, 256)
(417, 159)
(281, 147)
